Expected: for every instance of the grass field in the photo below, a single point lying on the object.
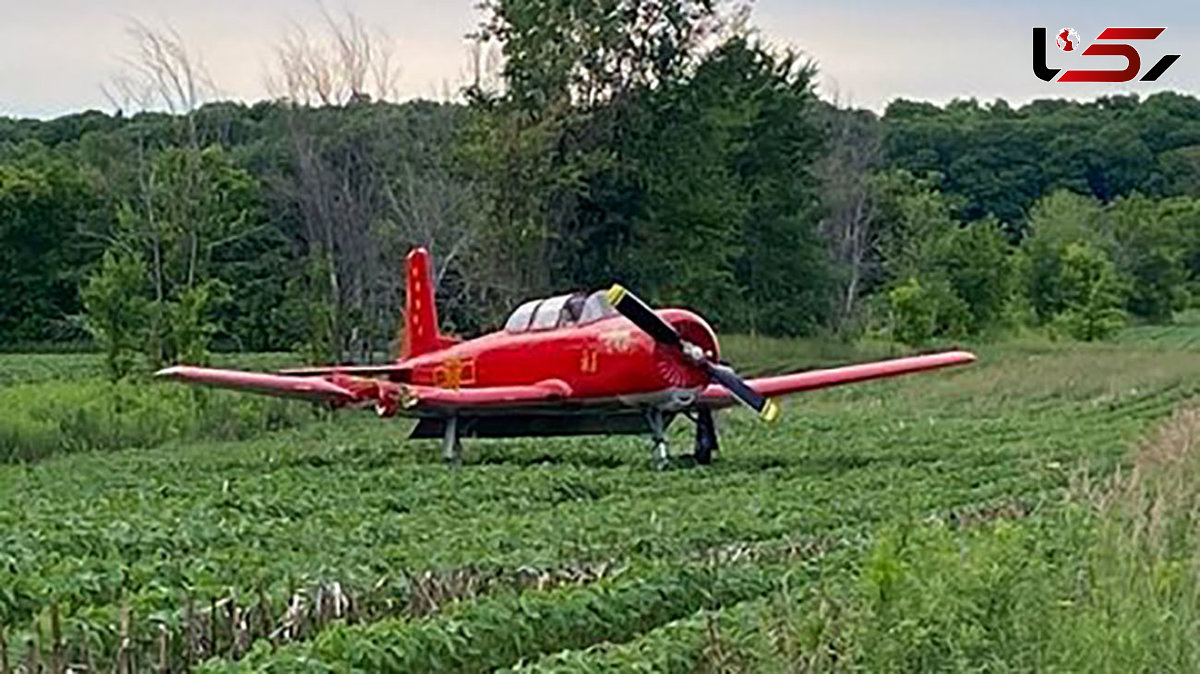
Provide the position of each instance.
(1029, 512)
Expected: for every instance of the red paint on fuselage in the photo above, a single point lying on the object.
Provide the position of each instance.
(605, 359)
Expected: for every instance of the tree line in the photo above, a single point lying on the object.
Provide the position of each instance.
(661, 144)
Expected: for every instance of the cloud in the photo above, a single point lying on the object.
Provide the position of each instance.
(56, 53)
(873, 52)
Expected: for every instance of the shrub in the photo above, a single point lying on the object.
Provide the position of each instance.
(921, 311)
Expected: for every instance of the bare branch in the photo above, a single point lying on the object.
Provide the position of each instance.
(345, 62)
(159, 71)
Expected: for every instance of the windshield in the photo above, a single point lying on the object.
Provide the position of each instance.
(556, 312)
(596, 307)
(519, 321)
(548, 313)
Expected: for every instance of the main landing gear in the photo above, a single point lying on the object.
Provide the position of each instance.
(451, 444)
(706, 437)
(705, 447)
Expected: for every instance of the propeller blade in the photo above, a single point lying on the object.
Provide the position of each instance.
(641, 315)
(629, 306)
(767, 409)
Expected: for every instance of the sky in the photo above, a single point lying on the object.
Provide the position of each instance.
(55, 55)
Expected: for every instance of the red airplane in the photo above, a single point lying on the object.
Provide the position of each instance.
(577, 364)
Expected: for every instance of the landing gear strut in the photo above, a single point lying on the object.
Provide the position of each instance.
(658, 455)
(706, 436)
(451, 445)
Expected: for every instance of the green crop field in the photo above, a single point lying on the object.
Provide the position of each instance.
(978, 519)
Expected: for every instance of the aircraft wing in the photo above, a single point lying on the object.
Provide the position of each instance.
(283, 386)
(769, 387)
(342, 389)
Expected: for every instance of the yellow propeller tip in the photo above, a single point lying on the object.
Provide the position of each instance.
(770, 412)
(615, 294)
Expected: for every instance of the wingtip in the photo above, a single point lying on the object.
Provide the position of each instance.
(167, 372)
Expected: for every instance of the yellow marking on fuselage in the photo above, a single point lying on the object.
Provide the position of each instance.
(454, 373)
(617, 341)
(590, 363)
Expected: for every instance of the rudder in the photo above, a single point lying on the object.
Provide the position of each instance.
(421, 332)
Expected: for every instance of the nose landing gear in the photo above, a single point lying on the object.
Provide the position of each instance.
(659, 454)
(706, 446)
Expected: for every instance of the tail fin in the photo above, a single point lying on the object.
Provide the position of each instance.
(421, 334)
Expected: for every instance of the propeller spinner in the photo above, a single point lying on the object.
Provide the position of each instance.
(641, 315)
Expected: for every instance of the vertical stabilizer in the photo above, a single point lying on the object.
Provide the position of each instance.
(421, 333)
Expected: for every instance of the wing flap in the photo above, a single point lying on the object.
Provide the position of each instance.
(389, 370)
(491, 397)
(717, 396)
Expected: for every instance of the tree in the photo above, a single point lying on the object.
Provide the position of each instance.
(1149, 250)
(914, 217)
(583, 54)
(729, 218)
(1181, 168)
(999, 160)
(653, 143)
(45, 202)
(1092, 293)
(365, 181)
(785, 267)
(348, 62)
(117, 311)
(1058, 220)
(196, 203)
(559, 150)
(975, 261)
(947, 279)
(850, 205)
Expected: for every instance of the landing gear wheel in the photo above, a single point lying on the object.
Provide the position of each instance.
(662, 457)
(706, 437)
(659, 454)
(451, 445)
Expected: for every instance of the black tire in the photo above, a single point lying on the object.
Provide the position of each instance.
(706, 437)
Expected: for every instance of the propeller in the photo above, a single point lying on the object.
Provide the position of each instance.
(633, 308)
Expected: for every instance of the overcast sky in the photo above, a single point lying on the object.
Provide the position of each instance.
(55, 54)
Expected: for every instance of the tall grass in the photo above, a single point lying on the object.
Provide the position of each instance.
(51, 417)
(1108, 581)
(759, 355)
(27, 368)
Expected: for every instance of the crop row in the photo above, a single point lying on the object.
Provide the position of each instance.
(506, 628)
(396, 593)
(205, 532)
(339, 518)
(261, 611)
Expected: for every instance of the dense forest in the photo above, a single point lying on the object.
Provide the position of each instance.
(669, 148)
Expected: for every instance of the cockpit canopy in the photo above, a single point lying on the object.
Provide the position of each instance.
(561, 311)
